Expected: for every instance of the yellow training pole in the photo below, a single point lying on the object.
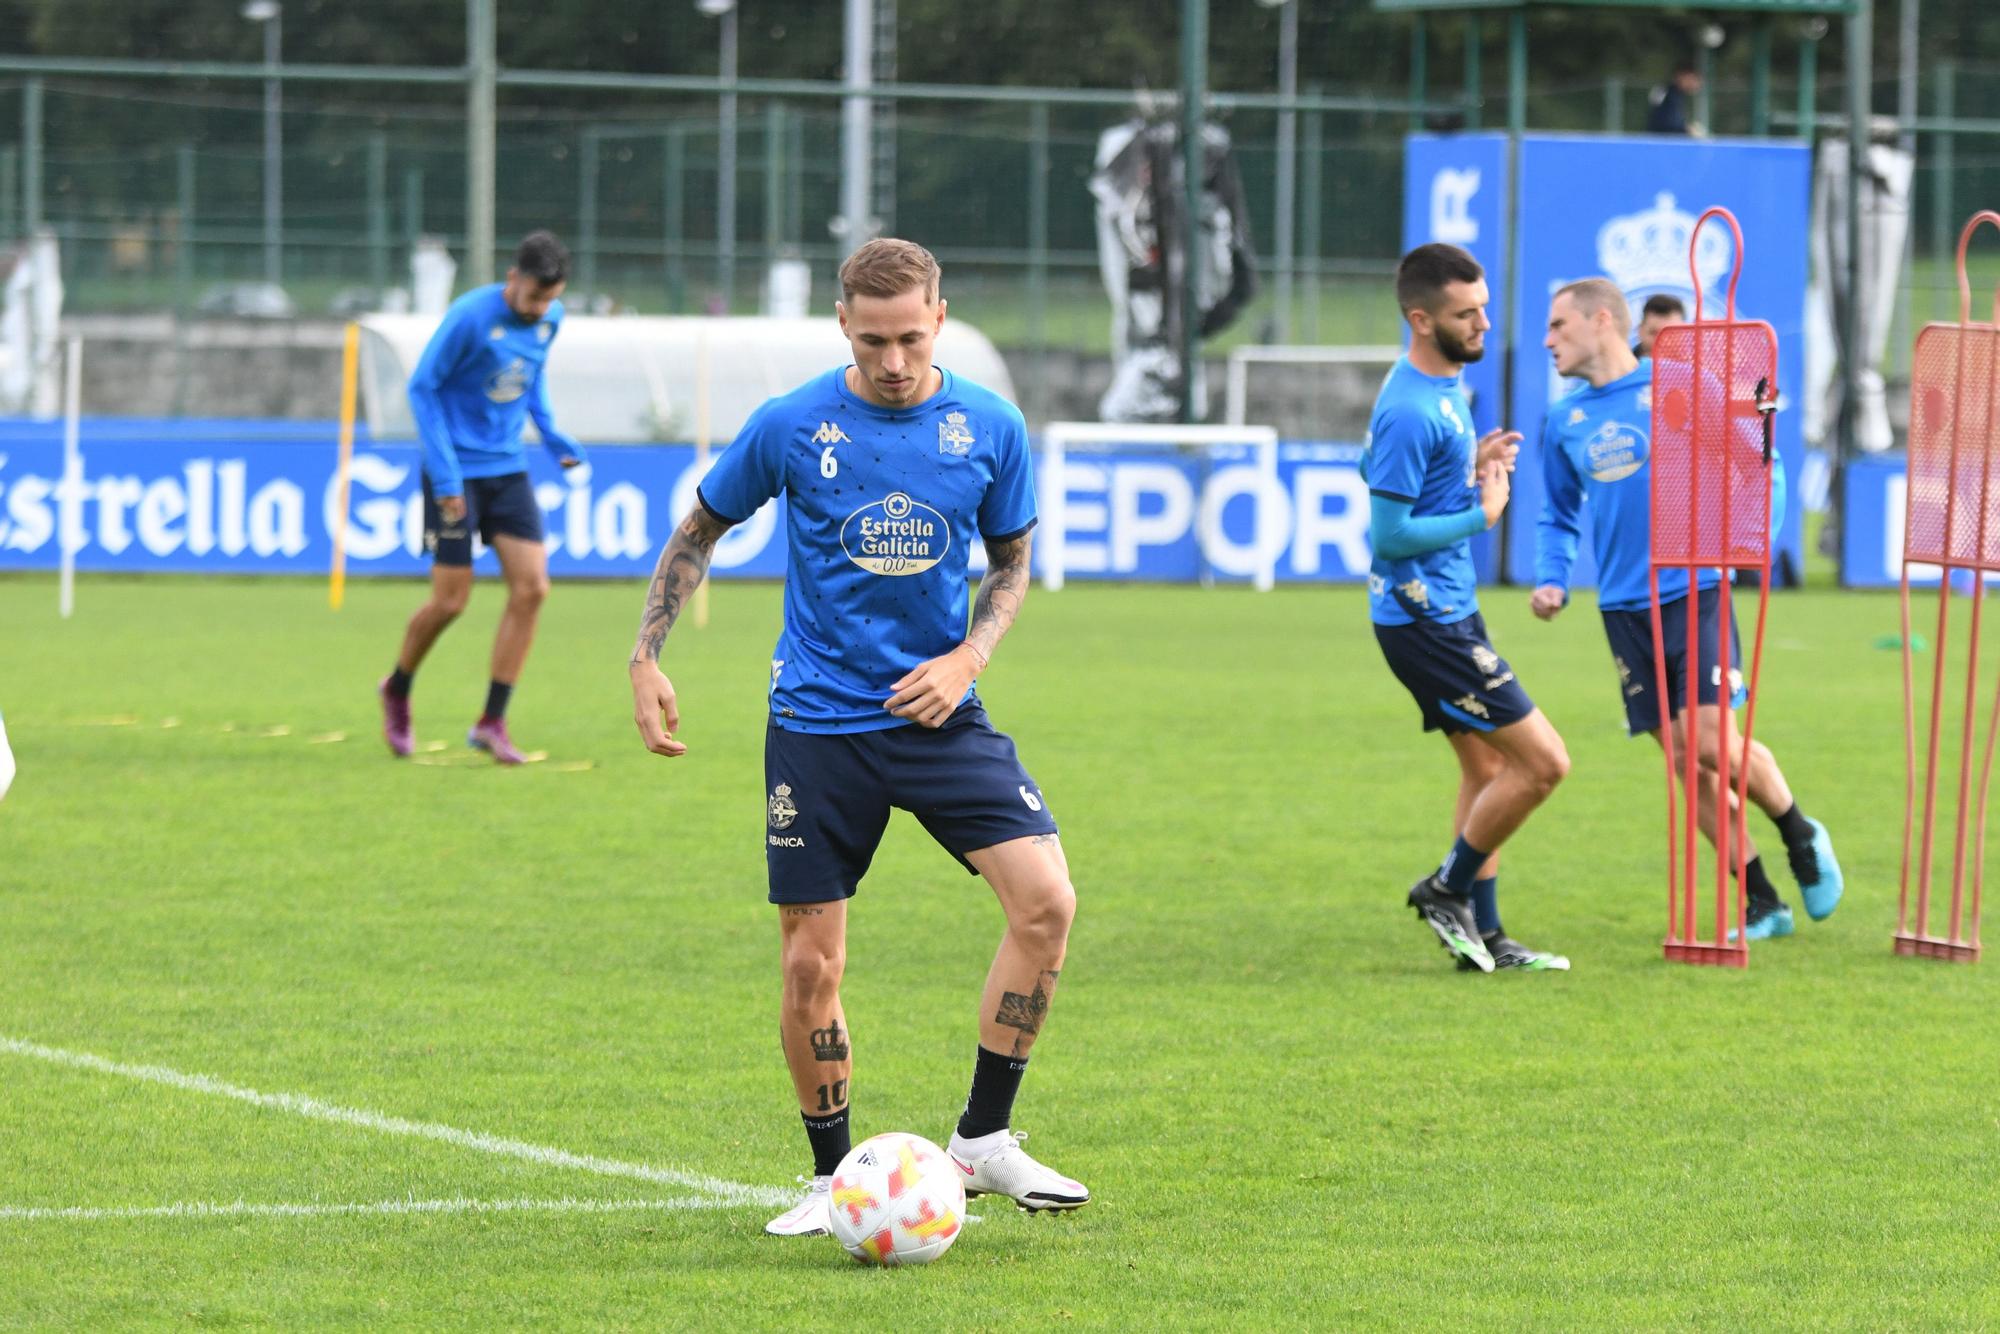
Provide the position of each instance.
(701, 448)
(350, 367)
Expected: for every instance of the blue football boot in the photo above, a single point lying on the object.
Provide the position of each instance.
(1769, 926)
(1818, 872)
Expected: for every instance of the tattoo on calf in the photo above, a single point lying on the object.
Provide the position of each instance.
(1027, 1012)
(830, 1043)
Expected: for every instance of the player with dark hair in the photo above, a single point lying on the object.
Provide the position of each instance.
(1672, 109)
(890, 468)
(480, 376)
(1659, 311)
(1597, 444)
(1431, 487)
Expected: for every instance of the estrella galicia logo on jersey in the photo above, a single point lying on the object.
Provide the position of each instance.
(783, 810)
(829, 434)
(1615, 452)
(895, 535)
(954, 436)
(504, 386)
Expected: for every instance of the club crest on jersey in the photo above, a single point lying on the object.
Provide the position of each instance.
(1577, 416)
(783, 810)
(829, 434)
(954, 436)
(504, 386)
(895, 535)
(496, 333)
(545, 331)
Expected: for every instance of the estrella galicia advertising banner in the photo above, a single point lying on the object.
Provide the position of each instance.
(261, 498)
(1455, 191)
(1625, 209)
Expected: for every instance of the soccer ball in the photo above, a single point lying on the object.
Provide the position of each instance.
(897, 1200)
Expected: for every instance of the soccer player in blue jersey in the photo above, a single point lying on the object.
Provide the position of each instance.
(479, 379)
(890, 469)
(1431, 486)
(1596, 445)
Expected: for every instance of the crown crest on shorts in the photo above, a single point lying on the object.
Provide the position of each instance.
(1648, 251)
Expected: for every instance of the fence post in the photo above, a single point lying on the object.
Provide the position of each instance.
(673, 200)
(10, 199)
(1309, 186)
(1614, 104)
(413, 205)
(481, 84)
(31, 156)
(586, 210)
(1943, 209)
(1038, 258)
(1472, 71)
(1760, 79)
(378, 210)
(184, 244)
(774, 181)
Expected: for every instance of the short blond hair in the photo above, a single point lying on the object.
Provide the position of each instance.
(887, 267)
(1591, 295)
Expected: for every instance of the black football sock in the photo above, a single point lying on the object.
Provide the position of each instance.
(829, 1140)
(398, 683)
(497, 695)
(1757, 887)
(1793, 827)
(990, 1105)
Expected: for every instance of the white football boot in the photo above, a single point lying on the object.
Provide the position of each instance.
(996, 1164)
(807, 1218)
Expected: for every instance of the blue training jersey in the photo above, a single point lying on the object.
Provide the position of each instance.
(1597, 446)
(1420, 449)
(882, 508)
(479, 379)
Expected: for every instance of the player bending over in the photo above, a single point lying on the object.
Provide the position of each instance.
(890, 469)
(479, 378)
(1432, 486)
(1596, 444)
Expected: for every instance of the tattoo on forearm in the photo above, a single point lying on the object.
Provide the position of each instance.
(830, 1043)
(1000, 592)
(1027, 1012)
(682, 566)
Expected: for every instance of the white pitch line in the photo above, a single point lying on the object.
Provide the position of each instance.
(728, 1192)
(244, 1209)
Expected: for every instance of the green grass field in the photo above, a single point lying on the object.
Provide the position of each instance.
(1292, 1112)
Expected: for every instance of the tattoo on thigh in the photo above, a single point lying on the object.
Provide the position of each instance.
(830, 1043)
(1043, 840)
(1027, 1012)
(805, 912)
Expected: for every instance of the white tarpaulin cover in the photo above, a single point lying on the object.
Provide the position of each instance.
(635, 379)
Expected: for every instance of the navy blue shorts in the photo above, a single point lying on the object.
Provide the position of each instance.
(1457, 679)
(829, 796)
(496, 506)
(1631, 636)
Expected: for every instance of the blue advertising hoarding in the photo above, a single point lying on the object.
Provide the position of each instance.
(248, 498)
(1625, 209)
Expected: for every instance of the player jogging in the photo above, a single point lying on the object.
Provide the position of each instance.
(1431, 486)
(1596, 444)
(6, 760)
(479, 378)
(890, 469)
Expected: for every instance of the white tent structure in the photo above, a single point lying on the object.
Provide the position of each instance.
(641, 379)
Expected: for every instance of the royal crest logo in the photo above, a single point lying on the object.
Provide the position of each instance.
(829, 434)
(1577, 416)
(545, 331)
(1485, 659)
(895, 535)
(1647, 252)
(783, 809)
(954, 436)
(496, 333)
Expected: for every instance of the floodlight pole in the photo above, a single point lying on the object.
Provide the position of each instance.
(271, 15)
(481, 81)
(725, 166)
(1194, 108)
(856, 127)
(1860, 57)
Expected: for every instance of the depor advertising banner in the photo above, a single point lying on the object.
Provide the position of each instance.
(1625, 209)
(235, 498)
